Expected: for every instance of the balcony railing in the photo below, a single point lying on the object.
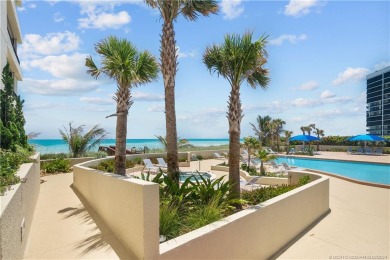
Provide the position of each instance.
(14, 44)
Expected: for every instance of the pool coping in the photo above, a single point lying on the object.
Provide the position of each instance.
(372, 184)
(330, 159)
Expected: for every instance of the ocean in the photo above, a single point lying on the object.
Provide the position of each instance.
(45, 146)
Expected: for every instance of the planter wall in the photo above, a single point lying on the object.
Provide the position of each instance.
(16, 211)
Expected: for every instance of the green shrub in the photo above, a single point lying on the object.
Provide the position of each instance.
(54, 156)
(170, 220)
(304, 180)
(56, 166)
(109, 165)
(252, 171)
(137, 160)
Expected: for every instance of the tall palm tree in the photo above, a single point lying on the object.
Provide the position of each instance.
(320, 133)
(121, 61)
(251, 143)
(238, 60)
(78, 142)
(278, 130)
(310, 128)
(288, 135)
(180, 142)
(169, 11)
(262, 130)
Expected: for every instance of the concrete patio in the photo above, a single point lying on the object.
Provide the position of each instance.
(359, 224)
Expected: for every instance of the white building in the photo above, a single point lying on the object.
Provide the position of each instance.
(10, 38)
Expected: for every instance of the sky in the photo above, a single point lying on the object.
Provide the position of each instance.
(319, 53)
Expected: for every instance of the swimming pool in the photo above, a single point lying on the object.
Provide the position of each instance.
(368, 172)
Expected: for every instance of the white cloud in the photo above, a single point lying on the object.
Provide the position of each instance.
(231, 9)
(49, 44)
(297, 8)
(32, 5)
(291, 38)
(310, 85)
(381, 65)
(142, 96)
(350, 75)
(327, 94)
(180, 54)
(63, 66)
(302, 102)
(102, 16)
(335, 99)
(58, 17)
(97, 100)
(62, 87)
(156, 108)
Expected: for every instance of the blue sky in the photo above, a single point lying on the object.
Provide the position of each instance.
(319, 55)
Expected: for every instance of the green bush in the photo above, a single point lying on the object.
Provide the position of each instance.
(9, 165)
(257, 196)
(252, 171)
(56, 166)
(109, 165)
(137, 160)
(54, 156)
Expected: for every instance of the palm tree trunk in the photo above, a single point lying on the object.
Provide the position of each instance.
(168, 68)
(123, 101)
(262, 171)
(234, 117)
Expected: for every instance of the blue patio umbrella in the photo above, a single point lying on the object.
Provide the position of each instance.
(366, 138)
(304, 138)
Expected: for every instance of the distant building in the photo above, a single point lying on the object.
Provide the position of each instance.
(10, 37)
(378, 102)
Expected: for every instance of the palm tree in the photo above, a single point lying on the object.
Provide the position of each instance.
(238, 60)
(180, 142)
(80, 143)
(288, 135)
(169, 11)
(320, 133)
(264, 156)
(277, 128)
(129, 67)
(250, 143)
(262, 130)
(310, 128)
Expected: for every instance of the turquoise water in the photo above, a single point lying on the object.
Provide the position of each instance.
(59, 146)
(370, 172)
(193, 176)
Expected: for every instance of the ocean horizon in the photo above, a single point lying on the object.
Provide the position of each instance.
(45, 146)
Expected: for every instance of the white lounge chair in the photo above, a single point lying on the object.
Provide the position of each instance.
(277, 168)
(245, 185)
(150, 166)
(270, 151)
(218, 156)
(368, 151)
(245, 153)
(378, 151)
(162, 163)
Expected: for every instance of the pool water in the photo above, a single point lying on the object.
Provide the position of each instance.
(369, 172)
(194, 176)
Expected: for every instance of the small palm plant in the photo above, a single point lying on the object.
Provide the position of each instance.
(180, 142)
(78, 142)
(264, 156)
(251, 143)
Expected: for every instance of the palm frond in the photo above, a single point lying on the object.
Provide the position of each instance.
(193, 8)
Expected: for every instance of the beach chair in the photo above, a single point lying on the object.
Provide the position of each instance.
(378, 151)
(218, 156)
(245, 153)
(149, 166)
(276, 168)
(162, 163)
(270, 151)
(286, 166)
(349, 150)
(292, 151)
(368, 151)
(360, 151)
(250, 185)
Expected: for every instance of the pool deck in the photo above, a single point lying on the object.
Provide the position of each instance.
(64, 227)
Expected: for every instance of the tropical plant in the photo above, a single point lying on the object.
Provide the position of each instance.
(288, 135)
(129, 67)
(59, 165)
(251, 143)
(169, 11)
(12, 133)
(320, 133)
(78, 142)
(180, 142)
(262, 130)
(276, 126)
(264, 156)
(238, 60)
